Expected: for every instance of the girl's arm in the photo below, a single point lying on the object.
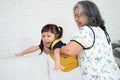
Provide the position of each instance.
(28, 50)
(58, 66)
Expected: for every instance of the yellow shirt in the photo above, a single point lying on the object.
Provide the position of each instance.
(70, 63)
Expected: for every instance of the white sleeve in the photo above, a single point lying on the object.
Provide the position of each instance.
(85, 37)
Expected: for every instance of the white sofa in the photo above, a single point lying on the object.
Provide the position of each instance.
(33, 67)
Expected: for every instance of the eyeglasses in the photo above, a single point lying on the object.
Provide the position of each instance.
(78, 15)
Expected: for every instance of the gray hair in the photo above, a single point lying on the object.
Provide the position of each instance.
(94, 18)
(91, 11)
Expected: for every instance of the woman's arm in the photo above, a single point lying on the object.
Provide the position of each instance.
(72, 48)
(28, 50)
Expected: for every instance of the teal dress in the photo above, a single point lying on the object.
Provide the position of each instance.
(96, 59)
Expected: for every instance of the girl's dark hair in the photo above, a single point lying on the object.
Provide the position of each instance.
(57, 31)
(92, 13)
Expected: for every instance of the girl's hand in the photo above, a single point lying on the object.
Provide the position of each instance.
(59, 67)
(19, 54)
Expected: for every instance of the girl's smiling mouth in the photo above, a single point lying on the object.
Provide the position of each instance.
(47, 44)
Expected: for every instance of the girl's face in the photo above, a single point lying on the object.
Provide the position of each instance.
(79, 17)
(47, 38)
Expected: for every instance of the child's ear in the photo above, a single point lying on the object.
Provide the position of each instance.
(56, 36)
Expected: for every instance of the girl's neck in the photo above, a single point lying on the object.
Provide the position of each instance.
(47, 50)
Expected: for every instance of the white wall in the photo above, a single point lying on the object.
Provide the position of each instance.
(21, 21)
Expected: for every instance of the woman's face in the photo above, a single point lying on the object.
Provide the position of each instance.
(79, 17)
(47, 38)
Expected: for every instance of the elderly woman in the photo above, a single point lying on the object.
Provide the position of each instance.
(92, 44)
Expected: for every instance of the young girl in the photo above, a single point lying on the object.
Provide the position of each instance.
(51, 43)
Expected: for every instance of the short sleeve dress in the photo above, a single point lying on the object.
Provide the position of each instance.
(96, 59)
